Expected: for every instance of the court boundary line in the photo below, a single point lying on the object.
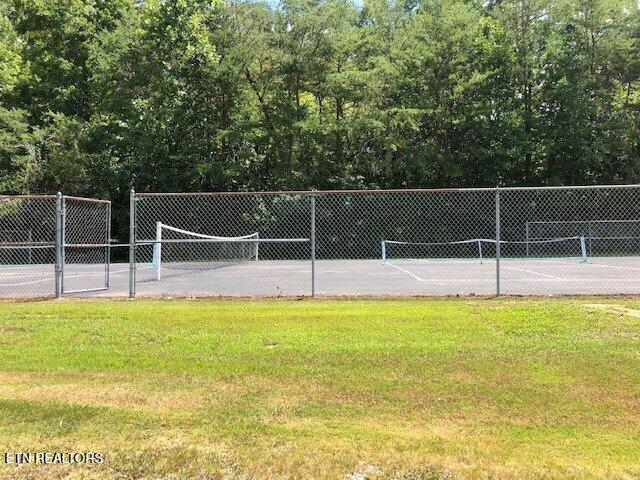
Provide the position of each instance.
(600, 265)
(534, 273)
(415, 277)
(94, 274)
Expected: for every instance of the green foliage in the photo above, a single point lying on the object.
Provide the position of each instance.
(17, 157)
(12, 68)
(207, 95)
(67, 160)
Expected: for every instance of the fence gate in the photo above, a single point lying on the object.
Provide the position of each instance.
(84, 245)
(53, 244)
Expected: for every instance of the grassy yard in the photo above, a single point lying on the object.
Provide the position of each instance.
(416, 389)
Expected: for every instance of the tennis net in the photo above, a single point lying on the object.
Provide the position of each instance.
(481, 250)
(603, 237)
(182, 250)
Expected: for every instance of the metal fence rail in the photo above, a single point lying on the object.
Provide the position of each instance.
(530, 241)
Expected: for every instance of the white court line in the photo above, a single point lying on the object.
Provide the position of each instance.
(619, 267)
(438, 281)
(42, 280)
(550, 277)
(446, 281)
(6, 271)
(473, 263)
(532, 272)
(26, 274)
(592, 280)
(405, 271)
(117, 272)
(454, 280)
(73, 277)
(24, 270)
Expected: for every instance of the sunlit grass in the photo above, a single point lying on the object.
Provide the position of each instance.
(320, 389)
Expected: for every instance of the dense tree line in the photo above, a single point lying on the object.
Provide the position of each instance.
(97, 96)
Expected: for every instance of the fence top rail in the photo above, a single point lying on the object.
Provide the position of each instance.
(50, 197)
(555, 222)
(26, 197)
(573, 187)
(306, 192)
(381, 191)
(86, 199)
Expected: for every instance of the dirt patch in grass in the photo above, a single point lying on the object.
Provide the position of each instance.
(115, 395)
(611, 308)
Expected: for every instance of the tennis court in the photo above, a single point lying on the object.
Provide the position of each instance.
(615, 275)
(612, 275)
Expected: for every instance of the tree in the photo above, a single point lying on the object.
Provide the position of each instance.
(584, 113)
(17, 156)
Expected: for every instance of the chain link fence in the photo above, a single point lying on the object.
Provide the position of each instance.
(51, 245)
(222, 244)
(377, 243)
(580, 240)
(517, 241)
(28, 245)
(529, 241)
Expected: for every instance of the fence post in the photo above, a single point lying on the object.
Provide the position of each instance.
(497, 241)
(58, 247)
(107, 254)
(63, 242)
(132, 244)
(313, 245)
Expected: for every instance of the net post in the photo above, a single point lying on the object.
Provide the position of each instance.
(30, 240)
(383, 246)
(157, 251)
(583, 249)
(480, 251)
(107, 253)
(497, 241)
(132, 244)
(58, 247)
(257, 246)
(526, 236)
(313, 244)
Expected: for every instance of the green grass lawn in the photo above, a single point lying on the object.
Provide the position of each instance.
(415, 389)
